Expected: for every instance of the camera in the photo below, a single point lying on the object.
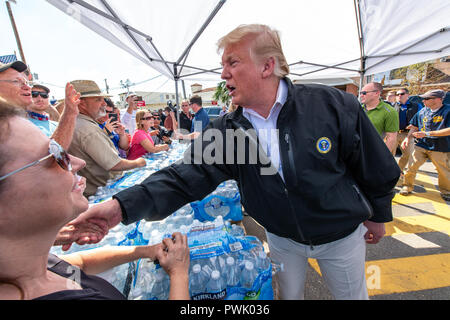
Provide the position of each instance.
(163, 132)
(113, 116)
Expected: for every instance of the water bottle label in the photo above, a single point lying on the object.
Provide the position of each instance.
(236, 246)
(211, 296)
(252, 295)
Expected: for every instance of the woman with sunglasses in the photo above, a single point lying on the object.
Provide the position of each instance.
(40, 192)
(142, 142)
(37, 111)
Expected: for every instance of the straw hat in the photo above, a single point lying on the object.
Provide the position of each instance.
(88, 88)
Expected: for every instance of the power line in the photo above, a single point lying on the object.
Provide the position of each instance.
(109, 88)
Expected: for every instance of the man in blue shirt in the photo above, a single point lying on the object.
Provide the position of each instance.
(37, 110)
(201, 119)
(406, 111)
(431, 127)
(199, 122)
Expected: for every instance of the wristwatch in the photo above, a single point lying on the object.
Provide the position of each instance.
(427, 133)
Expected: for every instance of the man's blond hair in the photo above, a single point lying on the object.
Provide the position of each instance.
(266, 43)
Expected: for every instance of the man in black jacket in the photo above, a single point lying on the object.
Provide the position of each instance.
(310, 167)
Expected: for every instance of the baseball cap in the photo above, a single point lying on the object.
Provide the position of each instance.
(16, 65)
(130, 94)
(434, 94)
(40, 86)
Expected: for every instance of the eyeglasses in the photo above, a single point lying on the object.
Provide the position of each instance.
(400, 93)
(148, 118)
(363, 93)
(55, 151)
(35, 94)
(429, 99)
(19, 83)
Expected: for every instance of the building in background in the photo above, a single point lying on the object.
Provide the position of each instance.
(206, 94)
(418, 78)
(349, 85)
(153, 100)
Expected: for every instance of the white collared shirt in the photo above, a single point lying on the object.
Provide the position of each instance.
(266, 128)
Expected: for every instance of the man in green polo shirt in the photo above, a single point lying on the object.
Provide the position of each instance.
(382, 115)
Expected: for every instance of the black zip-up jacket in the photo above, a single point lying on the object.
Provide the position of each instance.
(327, 192)
(412, 109)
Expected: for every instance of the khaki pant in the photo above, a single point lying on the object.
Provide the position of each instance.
(406, 154)
(441, 161)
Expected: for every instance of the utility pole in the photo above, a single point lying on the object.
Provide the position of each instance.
(16, 33)
(107, 87)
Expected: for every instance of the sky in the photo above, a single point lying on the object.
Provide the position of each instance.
(60, 49)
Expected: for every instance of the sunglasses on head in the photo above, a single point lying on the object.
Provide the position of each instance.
(56, 151)
(43, 95)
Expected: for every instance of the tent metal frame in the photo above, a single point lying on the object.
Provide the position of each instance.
(178, 65)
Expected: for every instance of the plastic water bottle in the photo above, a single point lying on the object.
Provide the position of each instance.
(248, 275)
(262, 262)
(197, 280)
(232, 272)
(215, 207)
(161, 286)
(216, 283)
(237, 231)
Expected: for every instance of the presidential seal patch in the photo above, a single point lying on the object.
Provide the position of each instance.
(323, 145)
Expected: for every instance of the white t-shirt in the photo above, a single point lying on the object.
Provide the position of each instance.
(129, 121)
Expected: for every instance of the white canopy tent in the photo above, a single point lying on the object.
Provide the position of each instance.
(321, 39)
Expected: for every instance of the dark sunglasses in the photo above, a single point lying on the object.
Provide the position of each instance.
(400, 94)
(43, 95)
(428, 99)
(363, 93)
(148, 118)
(56, 151)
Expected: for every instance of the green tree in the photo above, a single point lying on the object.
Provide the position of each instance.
(222, 94)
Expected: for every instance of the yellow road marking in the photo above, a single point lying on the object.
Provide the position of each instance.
(408, 274)
(405, 274)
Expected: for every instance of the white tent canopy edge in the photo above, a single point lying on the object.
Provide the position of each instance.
(333, 38)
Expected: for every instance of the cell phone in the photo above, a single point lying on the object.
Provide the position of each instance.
(138, 98)
(112, 116)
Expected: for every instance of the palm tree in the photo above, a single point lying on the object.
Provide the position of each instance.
(222, 94)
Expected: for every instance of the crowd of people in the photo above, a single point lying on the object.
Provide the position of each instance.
(329, 195)
(419, 132)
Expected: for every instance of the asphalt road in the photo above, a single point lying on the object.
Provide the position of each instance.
(412, 262)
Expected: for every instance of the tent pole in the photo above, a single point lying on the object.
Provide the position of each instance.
(361, 43)
(177, 98)
(184, 89)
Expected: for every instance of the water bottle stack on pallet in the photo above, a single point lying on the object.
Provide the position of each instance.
(225, 264)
